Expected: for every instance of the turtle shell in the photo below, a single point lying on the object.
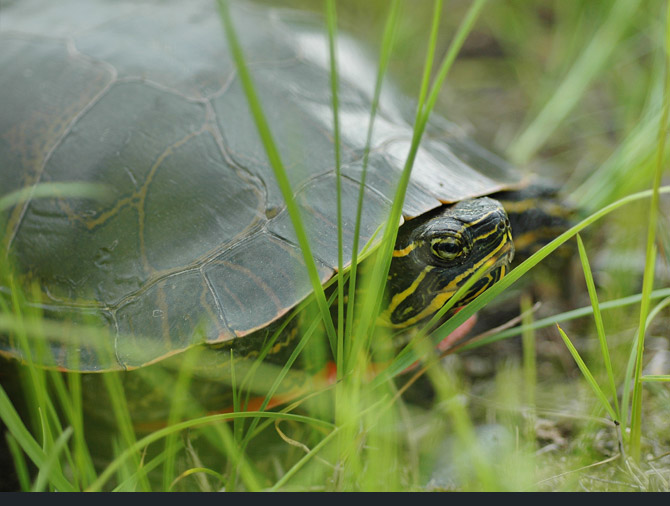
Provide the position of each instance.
(192, 242)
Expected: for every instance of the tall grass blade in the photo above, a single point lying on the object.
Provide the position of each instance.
(430, 53)
(632, 360)
(44, 190)
(82, 455)
(650, 259)
(572, 88)
(529, 365)
(239, 461)
(178, 404)
(123, 420)
(600, 329)
(282, 375)
(331, 22)
(28, 444)
(380, 270)
(588, 376)
(62, 396)
(348, 392)
(566, 316)
(274, 158)
(636, 403)
(384, 57)
(20, 465)
(656, 377)
(631, 164)
(131, 482)
(52, 461)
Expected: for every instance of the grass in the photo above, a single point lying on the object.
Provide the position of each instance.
(562, 88)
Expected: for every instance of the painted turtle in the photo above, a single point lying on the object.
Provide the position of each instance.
(192, 243)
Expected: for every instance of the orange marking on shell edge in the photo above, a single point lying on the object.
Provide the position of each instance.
(326, 377)
(254, 404)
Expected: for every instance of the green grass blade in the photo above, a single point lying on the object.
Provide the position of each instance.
(177, 407)
(44, 413)
(282, 375)
(452, 52)
(331, 22)
(529, 360)
(20, 465)
(572, 88)
(600, 329)
(45, 190)
(656, 377)
(380, 270)
(238, 460)
(587, 375)
(278, 169)
(636, 404)
(71, 418)
(384, 57)
(237, 427)
(566, 316)
(131, 482)
(430, 53)
(632, 359)
(650, 259)
(123, 420)
(82, 456)
(28, 444)
(629, 167)
(51, 463)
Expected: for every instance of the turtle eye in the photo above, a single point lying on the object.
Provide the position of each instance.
(448, 248)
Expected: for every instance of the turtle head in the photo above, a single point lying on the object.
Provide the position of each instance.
(435, 255)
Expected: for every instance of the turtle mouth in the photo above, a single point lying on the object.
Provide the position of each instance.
(506, 255)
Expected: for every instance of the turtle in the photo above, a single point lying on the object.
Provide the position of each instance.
(190, 243)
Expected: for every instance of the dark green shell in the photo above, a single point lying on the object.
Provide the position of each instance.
(192, 242)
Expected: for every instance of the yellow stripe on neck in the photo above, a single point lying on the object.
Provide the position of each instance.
(438, 301)
(398, 298)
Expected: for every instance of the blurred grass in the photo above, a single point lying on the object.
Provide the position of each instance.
(573, 91)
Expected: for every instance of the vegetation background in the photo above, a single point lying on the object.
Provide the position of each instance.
(573, 92)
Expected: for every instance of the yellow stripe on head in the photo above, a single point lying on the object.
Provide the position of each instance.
(407, 250)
